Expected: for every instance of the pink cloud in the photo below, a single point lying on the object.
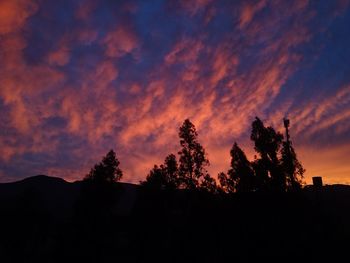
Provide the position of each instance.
(121, 41)
(184, 51)
(224, 64)
(322, 113)
(249, 10)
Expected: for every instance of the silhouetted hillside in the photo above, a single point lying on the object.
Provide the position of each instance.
(46, 219)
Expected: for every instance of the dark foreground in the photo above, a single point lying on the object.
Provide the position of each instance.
(45, 219)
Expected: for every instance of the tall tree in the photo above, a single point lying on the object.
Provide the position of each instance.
(193, 158)
(291, 166)
(261, 171)
(107, 170)
(241, 173)
(267, 143)
(171, 171)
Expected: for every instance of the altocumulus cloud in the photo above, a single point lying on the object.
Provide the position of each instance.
(78, 78)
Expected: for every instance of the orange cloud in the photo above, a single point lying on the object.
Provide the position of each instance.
(14, 13)
(249, 10)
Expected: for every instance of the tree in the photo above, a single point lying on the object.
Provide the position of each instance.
(291, 166)
(192, 157)
(267, 143)
(209, 184)
(94, 213)
(164, 176)
(226, 184)
(171, 171)
(261, 171)
(241, 174)
(107, 171)
(156, 178)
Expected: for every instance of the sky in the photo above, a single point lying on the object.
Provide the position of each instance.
(78, 78)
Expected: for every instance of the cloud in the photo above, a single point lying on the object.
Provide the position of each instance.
(13, 14)
(59, 57)
(79, 108)
(124, 76)
(324, 112)
(249, 10)
(120, 41)
(194, 6)
(86, 9)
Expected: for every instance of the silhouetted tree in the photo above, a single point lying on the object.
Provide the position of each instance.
(171, 171)
(164, 176)
(106, 171)
(226, 184)
(261, 171)
(94, 210)
(192, 157)
(267, 143)
(156, 179)
(241, 173)
(209, 184)
(291, 166)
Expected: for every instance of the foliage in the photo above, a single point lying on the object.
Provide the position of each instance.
(226, 184)
(193, 158)
(209, 184)
(267, 143)
(164, 176)
(241, 172)
(190, 173)
(107, 171)
(276, 168)
(292, 167)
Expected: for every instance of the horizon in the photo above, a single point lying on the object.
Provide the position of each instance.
(121, 181)
(80, 78)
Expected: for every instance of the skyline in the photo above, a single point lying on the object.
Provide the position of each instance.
(78, 79)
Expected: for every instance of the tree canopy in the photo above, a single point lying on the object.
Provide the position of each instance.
(191, 171)
(193, 160)
(240, 177)
(274, 168)
(267, 143)
(107, 171)
(164, 176)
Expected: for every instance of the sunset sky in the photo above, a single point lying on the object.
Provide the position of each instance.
(78, 78)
